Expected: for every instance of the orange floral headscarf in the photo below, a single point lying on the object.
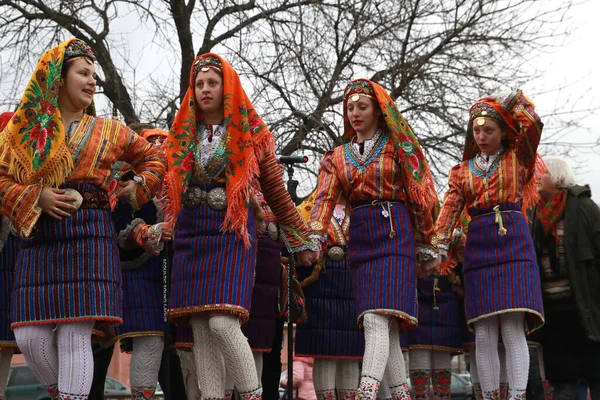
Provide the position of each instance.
(514, 109)
(417, 175)
(36, 134)
(246, 137)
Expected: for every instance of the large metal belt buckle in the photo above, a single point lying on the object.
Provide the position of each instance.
(336, 253)
(74, 193)
(272, 231)
(193, 197)
(217, 198)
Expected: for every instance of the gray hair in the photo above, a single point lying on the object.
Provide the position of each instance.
(559, 171)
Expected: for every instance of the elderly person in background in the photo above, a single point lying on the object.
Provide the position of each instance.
(566, 233)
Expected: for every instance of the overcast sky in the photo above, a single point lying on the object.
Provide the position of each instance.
(574, 66)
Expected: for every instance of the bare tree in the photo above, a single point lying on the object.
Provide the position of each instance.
(31, 26)
(295, 56)
(434, 57)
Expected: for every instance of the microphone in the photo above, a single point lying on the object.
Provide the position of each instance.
(292, 159)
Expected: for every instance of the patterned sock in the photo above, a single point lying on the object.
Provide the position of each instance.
(345, 394)
(77, 359)
(477, 391)
(419, 379)
(236, 351)
(52, 391)
(491, 395)
(144, 366)
(229, 394)
(516, 394)
(548, 390)
(252, 395)
(441, 379)
(400, 392)
(210, 371)
(142, 393)
(367, 388)
(69, 396)
(326, 394)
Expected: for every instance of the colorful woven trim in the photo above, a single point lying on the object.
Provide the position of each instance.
(205, 62)
(358, 87)
(79, 48)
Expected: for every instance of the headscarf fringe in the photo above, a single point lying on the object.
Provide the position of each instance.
(53, 177)
(531, 195)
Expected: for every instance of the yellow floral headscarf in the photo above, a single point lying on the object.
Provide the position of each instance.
(36, 134)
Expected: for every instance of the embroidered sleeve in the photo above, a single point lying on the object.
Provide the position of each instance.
(450, 213)
(148, 162)
(328, 190)
(18, 202)
(293, 227)
(530, 133)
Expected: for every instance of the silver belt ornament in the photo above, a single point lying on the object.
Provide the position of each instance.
(216, 198)
(336, 253)
(272, 231)
(269, 229)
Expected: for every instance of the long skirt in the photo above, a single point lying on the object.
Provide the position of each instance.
(441, 319)
(384, 268)
(330, 330)
(8, 256)
(212, 271)
(69, 272)
(500, 271)
(261, 327)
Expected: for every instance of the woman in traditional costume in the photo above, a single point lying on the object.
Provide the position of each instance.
(55, 164)
(140, 241)
(383, 175)
(9, 246)
(262, 325)
(496, 183)
(217, 146)
(330, 335)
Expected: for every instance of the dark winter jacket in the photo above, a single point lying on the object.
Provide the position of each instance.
(582, 254)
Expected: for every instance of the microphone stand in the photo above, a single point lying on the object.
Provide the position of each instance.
(292, 185)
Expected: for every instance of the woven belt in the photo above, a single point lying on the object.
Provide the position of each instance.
(194, 197)
(91, 198)
(268, 229)
(336, 253)
(497, 212)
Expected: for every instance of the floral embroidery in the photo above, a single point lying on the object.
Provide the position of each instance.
(253, 395)
(52, 391)
(516, 394)
(420, 383)
(346, 394)
(367, 390)
(326, 394)
(401, 392)
(491, 395)
(68, 396)
(142, 393)
(441, 380)
(478, 391)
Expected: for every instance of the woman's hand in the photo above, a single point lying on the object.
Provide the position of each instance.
(307, 257)
(167, 232)
(124, 190)
(56, 203)
(427, 267)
